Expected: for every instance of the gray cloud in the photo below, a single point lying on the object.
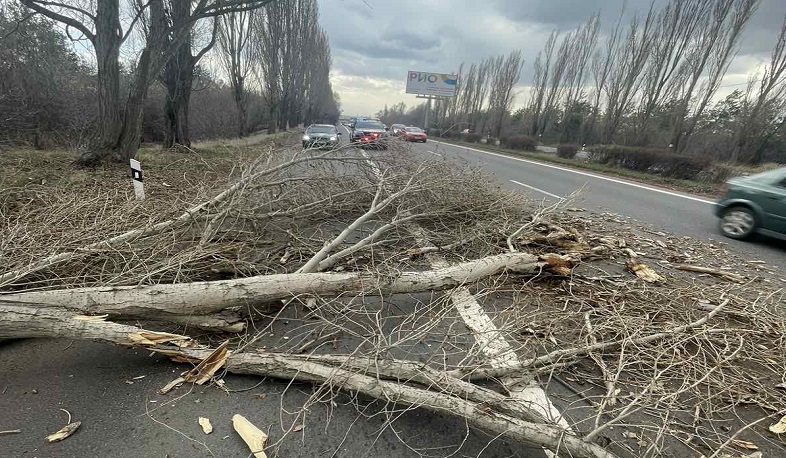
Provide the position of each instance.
(382, 39)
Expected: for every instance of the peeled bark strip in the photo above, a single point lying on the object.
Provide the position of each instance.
(205, 298)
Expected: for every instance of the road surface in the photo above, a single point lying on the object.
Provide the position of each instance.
(663, 209)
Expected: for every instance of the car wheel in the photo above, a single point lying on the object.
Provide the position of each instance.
(738, 223)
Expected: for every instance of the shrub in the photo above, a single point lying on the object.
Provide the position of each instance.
(472, 138)
(520, 142)
(567, 151)
(651, 160)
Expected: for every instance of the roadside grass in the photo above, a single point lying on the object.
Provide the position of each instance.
(706, 188)
(207, 163)
(258, 139)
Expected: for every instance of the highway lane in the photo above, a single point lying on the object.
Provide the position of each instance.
(667, 210)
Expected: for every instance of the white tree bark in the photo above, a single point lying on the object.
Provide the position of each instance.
(36, 320)
(165, 301)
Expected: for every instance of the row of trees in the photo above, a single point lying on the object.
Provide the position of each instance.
(484, 98)
(282, 53)
(275, 57)
(650, 81)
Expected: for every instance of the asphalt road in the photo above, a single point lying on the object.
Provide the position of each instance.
(663, 209)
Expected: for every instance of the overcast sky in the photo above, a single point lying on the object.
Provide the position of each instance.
(375, 42)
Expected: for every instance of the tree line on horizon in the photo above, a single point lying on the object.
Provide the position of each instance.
(652, 81)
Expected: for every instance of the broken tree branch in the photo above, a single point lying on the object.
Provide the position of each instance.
(205, 298)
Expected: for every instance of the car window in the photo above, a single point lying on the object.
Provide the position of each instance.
(322, 129)
(369, 125)
(414, 129)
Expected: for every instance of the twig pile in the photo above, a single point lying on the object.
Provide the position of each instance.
(334, 244)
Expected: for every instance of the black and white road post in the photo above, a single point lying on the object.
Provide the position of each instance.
(136, 176)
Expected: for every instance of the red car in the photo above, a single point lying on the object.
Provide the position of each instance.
(415, 134)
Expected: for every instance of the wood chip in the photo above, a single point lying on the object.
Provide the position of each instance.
(64, 432)
(780, 427)
(744, 444)
(298, 428)
(171, 385)
(557, 264)
(718, 273)
(252, 436)
(205, 370)
(207, 428)
(644, 272)
(156, 338)
(92, 319)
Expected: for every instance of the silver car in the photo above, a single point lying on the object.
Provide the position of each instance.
(321, 136)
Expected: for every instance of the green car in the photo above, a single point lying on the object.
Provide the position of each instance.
(754, 204)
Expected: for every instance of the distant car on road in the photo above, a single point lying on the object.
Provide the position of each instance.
(321, 136)
(754, 204)
(415, 134)
(397, 129)
(371, 133)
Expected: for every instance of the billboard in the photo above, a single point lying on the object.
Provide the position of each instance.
(425, 83)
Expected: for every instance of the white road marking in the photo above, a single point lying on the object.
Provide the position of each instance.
(489, 338)
(536, 189)
(592, 175)
(436, 154)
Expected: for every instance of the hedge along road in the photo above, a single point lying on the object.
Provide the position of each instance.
(663, 209)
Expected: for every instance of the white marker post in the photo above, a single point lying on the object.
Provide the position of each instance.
(136, 176)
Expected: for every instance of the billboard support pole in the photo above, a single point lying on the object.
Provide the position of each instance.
(428, 111)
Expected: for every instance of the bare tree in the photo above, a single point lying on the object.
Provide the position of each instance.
(235, 35)
(584, 43)
(100, 23)
(505, 75)
(542, 75)
(707, 63)
(624, 74)
(178, 74)
(293, 62)
(678, 26)
(601, 67)
(762, 106)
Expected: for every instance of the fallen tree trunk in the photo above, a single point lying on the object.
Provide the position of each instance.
(386, 380)
(480, 415)
(164, 301)
(37, 320)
